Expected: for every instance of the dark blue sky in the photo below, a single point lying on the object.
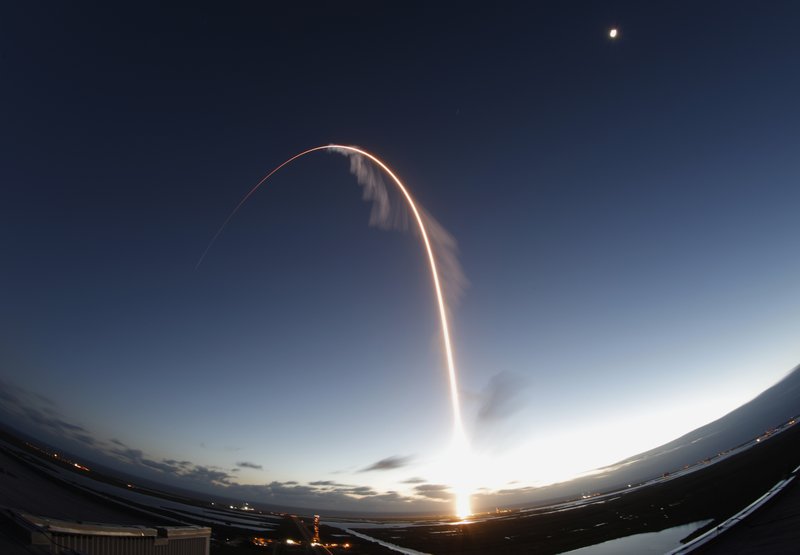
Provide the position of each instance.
(625, 212)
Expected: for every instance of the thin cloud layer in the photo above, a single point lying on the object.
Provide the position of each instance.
(39, 410)
(245, 464)
(502, 397)
(434, 491)
(389, 463)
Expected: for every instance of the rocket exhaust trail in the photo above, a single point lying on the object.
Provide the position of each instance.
(459, 436)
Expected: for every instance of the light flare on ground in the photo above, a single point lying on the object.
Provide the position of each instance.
(461, 450)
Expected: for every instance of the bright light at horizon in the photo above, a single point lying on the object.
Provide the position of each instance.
(578, 450)
(462, 487)
(463, 505)
(471, 475)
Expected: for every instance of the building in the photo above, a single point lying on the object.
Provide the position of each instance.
(36, 534)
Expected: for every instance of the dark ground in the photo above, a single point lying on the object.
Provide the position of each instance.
(773, 529)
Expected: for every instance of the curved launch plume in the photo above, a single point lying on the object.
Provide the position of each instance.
(430, 231)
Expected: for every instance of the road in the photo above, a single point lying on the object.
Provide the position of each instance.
(307, 537)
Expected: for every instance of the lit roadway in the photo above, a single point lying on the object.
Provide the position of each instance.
(307, 538)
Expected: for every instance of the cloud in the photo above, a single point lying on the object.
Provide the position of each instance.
(178, 463)
(290, 488)
(207, 475)
(389, 463)
(160, 465)
(433, 491)
(515, 491)
(329, 483)
(392, 497)
(126, 453)
(41, 412)
(245, 464)
(85, 438)
(7, 395)
(186, 470)
(359, 491)
(323, 483)
(502, 397)
(328, 494)
(414, 480)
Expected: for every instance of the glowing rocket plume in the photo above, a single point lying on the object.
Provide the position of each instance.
(462, 497)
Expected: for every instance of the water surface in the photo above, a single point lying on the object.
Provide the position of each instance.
(655, 543)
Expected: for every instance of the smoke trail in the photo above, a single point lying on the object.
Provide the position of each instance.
(391, 212)
(377, 192)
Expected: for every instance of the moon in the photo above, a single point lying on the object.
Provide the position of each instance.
(613, 32)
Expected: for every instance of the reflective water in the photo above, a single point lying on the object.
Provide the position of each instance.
(655, 543)
(393, 547)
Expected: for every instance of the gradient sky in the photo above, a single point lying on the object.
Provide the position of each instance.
(626, 214)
